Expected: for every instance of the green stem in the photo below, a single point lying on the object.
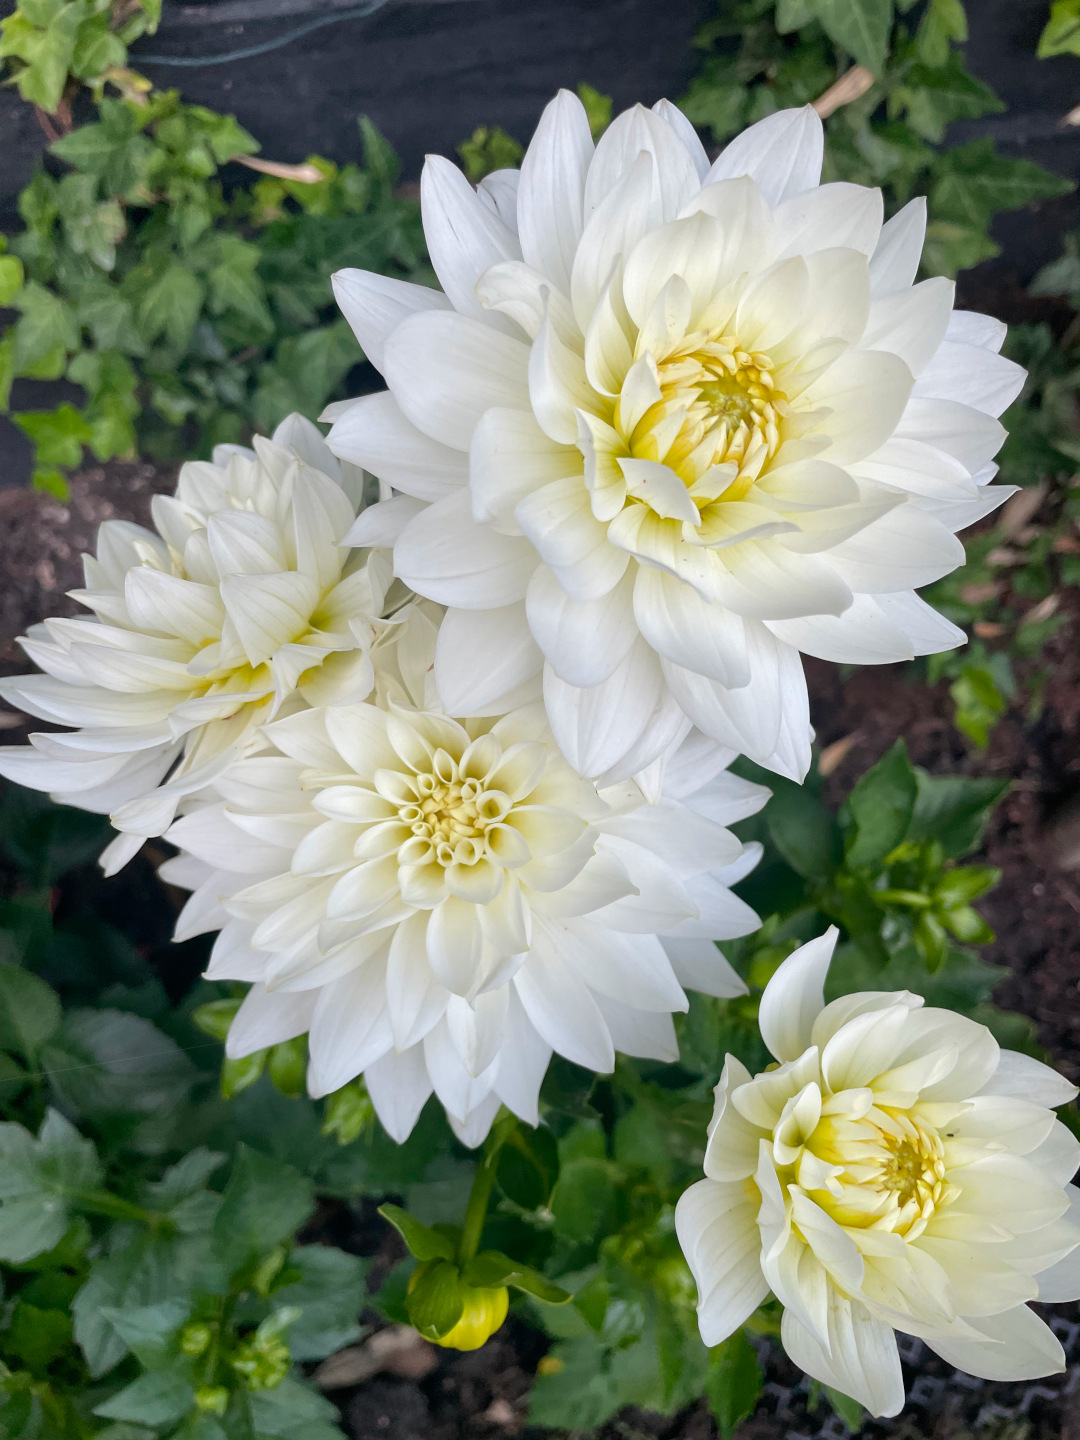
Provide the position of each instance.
(483, 1180)
(101, 1202)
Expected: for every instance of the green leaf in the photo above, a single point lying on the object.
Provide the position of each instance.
(974, 182)
(881, 806)
(47, 328)
(803, 830)
(265, 1202)
(239, 1074)
(491, 1269)
(528, 1166)
(215, 1017)
(170, 306)
(58, 435)
(589, 1201)
(148, 1331)
(733, 1383)
(287, 1066)
(107, 1063)
(142, 1269)
(423, 1242)
(934, 97)
(293, 1412)
(36, 1336)
(29, 1011)
(161, 1397)
(954, 809)
(436, 1301)
(330, 1294)
(1061, 35)
(38, 1178)
(861, 27)
(850, 1411)
(11, 278)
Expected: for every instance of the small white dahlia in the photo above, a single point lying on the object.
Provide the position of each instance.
(667, 425)
(895, 1170)
(242, 600)
(441, 903)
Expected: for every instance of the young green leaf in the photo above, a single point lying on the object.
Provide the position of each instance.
(424, 1243)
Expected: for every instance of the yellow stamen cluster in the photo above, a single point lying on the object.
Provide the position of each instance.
(719, 406)
(450, 817)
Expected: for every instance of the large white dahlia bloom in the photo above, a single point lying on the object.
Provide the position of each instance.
(239, 602)
(441, 903)
(895, 1171)
(667, 425)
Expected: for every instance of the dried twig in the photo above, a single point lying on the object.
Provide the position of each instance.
(303, 174)
(851, 85)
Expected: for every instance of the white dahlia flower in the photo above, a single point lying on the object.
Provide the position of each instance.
(895, 1170)
(243, 600)
(441, 903)
(667, 425)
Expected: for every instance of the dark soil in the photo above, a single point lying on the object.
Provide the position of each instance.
(1033, 836)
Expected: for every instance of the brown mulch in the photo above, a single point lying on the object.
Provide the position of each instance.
(1035, 911)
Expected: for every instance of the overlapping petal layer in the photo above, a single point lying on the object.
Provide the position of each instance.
(240, 602)
(670, 424)
(895, 1170)
(441, 903)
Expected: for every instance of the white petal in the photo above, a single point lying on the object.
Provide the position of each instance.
(782, 153)
(969, 327)
(444, 554)
(374, 434)
(686, 133)
(861, 1359)
(463, 235)
(835, 214)
(626, 213)
(634, 133)
(1018, 1346)
(584, 640)
(721, 915)
(350, 1028)
(961, 431)
(399, 1086)
(699, 965)
(716, 1223)
(647, 1034)
(268, 1019)
(699, 635)
(596, 727)
(1025, 1078)
(560, 1005)
(499, 191)
(509, 458)
(895, 261)
(445, 370)
(482, 655)
(374, 305)
(972, 376)
(381, 524)
(522, 1064)
(795, 996)
(898, 551)
(552, 188)
(911, 323)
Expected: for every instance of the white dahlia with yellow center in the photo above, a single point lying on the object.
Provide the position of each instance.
(241, 601)
(895, 1170)
(441, 903)
(667, 425)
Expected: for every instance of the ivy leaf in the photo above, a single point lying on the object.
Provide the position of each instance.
(933, 97)
(45, 331)
(974, 182)
(58, 435)
(861, 27)
(11, 278)
(1062, 33)
(37, 1180)
(171, 305)
(43, 37)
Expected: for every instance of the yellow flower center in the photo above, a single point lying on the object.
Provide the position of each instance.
(719, 406)
(450, 817)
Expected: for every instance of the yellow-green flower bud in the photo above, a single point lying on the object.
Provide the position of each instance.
(262, 1364)
(214, 1399)
(195, 1338)
(484, 1310)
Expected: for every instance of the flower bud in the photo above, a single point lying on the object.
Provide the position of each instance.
(195, 1338)
(213, 1399)
(483, 1310)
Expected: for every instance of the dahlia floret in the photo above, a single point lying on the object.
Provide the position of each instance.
(895, 1170)
(668, 425)
(440, 903)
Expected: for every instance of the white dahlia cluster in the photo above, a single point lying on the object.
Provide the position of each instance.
(894, 1170)
(447, 775)
(667, 425)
